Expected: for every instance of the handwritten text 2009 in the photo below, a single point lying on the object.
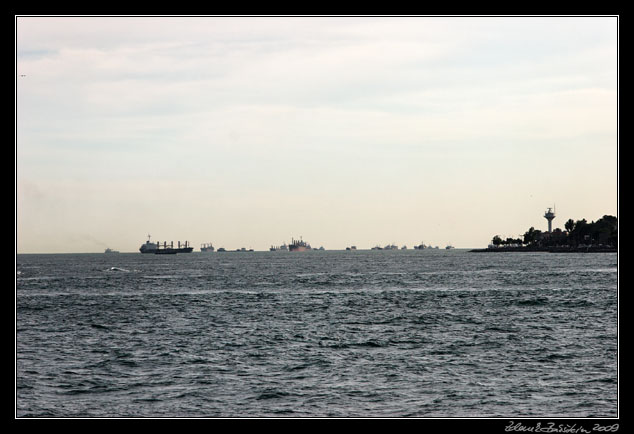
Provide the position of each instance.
(552, 427)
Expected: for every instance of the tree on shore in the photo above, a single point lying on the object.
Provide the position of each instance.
(532, 236)
(497, 241)
(570, 225)
(603, 231)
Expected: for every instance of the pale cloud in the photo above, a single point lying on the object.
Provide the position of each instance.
(233, 118)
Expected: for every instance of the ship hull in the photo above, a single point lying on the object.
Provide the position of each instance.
(298, 248)
(171, 251)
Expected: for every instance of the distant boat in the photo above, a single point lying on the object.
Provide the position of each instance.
(207, 247)
(299, 246)
(109, 250)
(283, 248)
(449, 246)
(156, 248)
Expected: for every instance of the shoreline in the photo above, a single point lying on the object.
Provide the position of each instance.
(589, 249)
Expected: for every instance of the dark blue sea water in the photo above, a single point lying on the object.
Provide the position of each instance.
(445, 333)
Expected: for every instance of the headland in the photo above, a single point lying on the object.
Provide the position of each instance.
(577, 237)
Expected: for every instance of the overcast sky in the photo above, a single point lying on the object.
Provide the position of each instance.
(245, 132)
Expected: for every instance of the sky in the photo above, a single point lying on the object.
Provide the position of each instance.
(250, 131)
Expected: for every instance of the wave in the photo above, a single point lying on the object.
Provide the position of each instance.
(272, 394)
(538, 301)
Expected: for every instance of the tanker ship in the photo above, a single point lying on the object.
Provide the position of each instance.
(299, 246)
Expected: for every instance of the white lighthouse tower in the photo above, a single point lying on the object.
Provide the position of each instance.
(550, 215)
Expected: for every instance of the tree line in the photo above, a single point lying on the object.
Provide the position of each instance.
(603, 232)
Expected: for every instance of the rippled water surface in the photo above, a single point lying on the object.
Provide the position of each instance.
(321, 334)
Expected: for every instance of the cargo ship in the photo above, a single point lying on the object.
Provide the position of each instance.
(299, 246)
(283, 247)
(157, 249)
(207, 247)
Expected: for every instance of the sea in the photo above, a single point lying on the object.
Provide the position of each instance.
(317, 334)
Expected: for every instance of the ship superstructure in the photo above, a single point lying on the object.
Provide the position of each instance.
(148, 247)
